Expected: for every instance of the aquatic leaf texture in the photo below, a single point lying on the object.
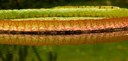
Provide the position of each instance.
(113, 26)
(63, 12)
(54, 26)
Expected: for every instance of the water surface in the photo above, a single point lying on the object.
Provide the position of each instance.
(111, 46)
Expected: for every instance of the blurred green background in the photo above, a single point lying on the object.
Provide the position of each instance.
(20, 4)
(94, 52)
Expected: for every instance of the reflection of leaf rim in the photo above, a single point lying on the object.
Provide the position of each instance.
(63, 39)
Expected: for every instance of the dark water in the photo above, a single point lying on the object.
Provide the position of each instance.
(85, 47)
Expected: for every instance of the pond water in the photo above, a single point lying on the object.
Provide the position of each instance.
(111, 46)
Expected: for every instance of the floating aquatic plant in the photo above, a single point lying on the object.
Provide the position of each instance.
(36, 21)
